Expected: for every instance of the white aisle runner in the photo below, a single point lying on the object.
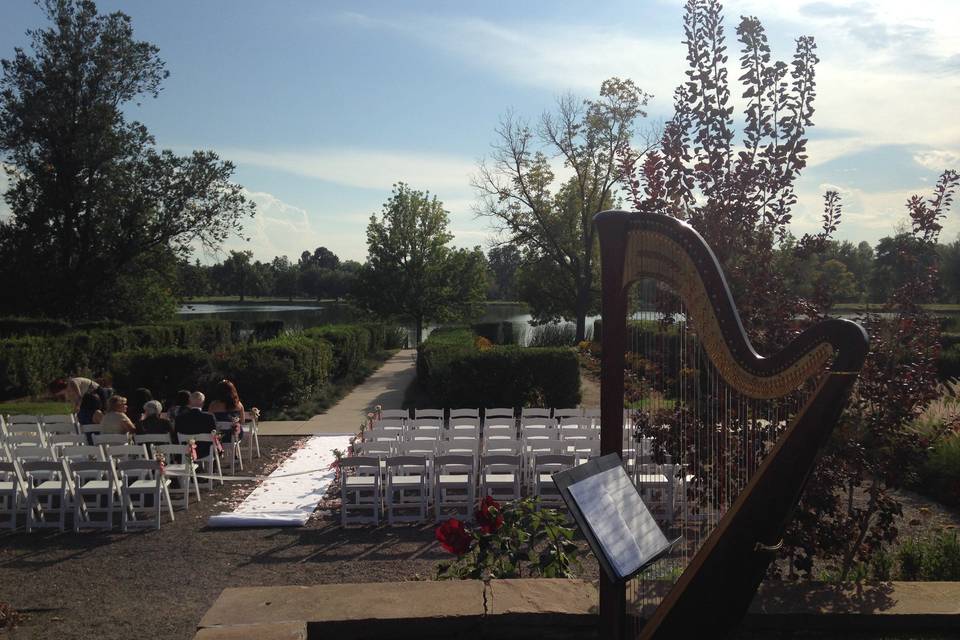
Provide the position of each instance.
(288, 501)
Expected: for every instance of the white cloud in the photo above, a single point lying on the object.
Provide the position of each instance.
(938, 159)
(368, 169)
(280, 228)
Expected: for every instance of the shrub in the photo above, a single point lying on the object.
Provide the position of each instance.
(935, 559)
(351, 345)
(162, 370)
(495, 332)
(30, 363)
(455, 373)
(16, 327)
(940, 473)
(282, 371)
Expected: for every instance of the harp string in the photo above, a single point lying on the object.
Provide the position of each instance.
(683, 423)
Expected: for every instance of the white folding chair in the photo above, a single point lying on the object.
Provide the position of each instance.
(464, 422)
(428, 413)
(151, 440)
(180, 465)
(493, 427)
(360, 490)
(454, 486)
(82, 453)
(534, 412)
(210, 463)
(499, 412)
(395, 425)
(395, 414)
(60, 440)
(406, 489)
(572, 412)
(11, 493)
(231, 446)
(253, 429)
(111, 439)
(471, 432)
(500, 476)
(46, 494)
(143, 489)
(464, 413)
(592, 414)
(502, 446)
(94, 490)
(544, 466)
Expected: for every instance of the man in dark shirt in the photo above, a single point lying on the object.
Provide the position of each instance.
(196, 421)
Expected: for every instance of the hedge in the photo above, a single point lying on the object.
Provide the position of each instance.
(30, 363)
(282, 371)
(351, 346)
(164, 370)
(456, 374)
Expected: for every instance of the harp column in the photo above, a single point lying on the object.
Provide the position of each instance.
(612, 230)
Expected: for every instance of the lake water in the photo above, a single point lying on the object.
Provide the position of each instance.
(305, 316)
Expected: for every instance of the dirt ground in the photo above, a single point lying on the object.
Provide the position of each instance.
(116, 586)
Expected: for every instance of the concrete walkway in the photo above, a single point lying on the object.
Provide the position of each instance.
(386, 386)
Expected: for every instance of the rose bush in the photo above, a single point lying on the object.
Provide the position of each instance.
(509, 541)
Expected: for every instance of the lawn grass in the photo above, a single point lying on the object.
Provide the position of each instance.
(35, 408)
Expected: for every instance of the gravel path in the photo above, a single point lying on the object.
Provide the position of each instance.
(119, 586)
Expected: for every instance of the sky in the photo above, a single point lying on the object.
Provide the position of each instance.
(323, 106)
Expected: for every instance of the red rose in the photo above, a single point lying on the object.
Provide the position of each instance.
(489, 522)
(453, 537)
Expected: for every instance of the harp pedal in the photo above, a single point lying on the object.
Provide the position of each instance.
(769, 548)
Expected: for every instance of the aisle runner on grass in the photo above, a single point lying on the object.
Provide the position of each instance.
(288, 502)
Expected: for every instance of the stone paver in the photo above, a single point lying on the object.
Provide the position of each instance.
(386, 386)
(557, 609)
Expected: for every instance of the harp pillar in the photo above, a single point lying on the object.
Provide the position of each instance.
(613, 247)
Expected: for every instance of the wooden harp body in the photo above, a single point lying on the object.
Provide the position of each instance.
(741, 435)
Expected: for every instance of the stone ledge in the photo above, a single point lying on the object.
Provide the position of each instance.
(272, 631)
(556, 608)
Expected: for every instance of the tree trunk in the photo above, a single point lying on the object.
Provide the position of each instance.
(583, 303)
(419, 330)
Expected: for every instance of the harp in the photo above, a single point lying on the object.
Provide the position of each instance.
(722, 438)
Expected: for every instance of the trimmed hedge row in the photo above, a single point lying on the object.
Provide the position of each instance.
(458, 374)
(28, 364)
(271, 373)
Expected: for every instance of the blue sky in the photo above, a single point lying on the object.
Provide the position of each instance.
(323, 105)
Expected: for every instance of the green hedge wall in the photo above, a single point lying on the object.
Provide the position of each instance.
(162, 370)
(282, 371)
(456, 374)
(30, 363)
(351, 345)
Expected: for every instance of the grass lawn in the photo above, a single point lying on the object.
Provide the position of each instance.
(36, 408)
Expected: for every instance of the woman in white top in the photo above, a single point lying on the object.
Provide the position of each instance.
(115, 420)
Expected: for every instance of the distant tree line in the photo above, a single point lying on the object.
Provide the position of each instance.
(318, 274)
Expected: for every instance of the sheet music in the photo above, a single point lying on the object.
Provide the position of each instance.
(618, 518)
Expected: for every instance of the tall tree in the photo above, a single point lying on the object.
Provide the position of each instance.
(503, 260)
(516, 185)
(411, 268)
(91, 198)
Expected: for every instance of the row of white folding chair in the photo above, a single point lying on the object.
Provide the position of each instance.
(52, 488)
(407, 485)
(108, 447)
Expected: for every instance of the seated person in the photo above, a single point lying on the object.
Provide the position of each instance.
(72, 390)
(196, 421)
(138, 399)
(179, 405)
(115, 420)
(225, 405)
(153, 424)
(90, 409)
